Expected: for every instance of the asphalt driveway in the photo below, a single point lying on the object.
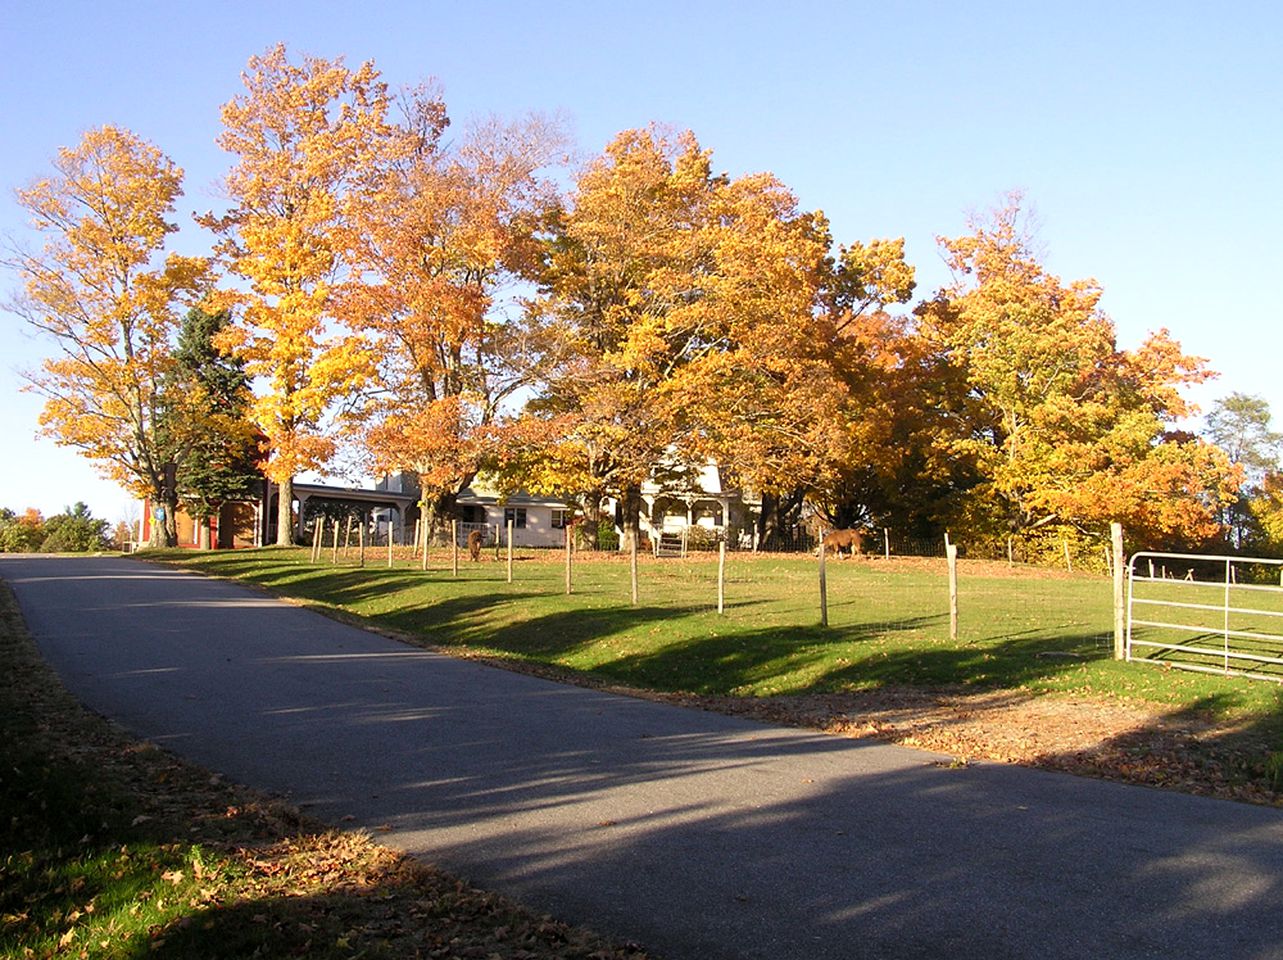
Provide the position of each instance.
(698, 835)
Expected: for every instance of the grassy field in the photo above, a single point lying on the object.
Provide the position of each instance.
(110, 848)
(1019, 629)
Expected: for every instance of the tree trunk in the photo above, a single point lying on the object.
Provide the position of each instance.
(778, 516)
(443, 509)
(768, 521)
(157, 528)
(592, 520)
(164, 507)
(285, 512)
(631, 503)
(171, 513)
(202, 537)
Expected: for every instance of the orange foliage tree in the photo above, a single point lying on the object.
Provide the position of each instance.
(308, 138)
(689, 307)
(624, 287)
(106, 295)
(431, 245)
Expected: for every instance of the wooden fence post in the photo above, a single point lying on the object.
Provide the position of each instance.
(347, 537)
(951, 554)
(824, 585)
(569, 547)
(721, 576)
(316, 527)
(454, 547)
(389, 541)
(496, 542)
(886, 543)
(1069, 563)
(510, 525)
(360, 540)
(632, 565)
(427, 535)
(1120, 609)
(334, 555)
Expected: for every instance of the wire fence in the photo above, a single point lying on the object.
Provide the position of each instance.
(904, 589)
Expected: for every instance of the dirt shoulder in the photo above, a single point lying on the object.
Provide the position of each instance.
(1128, 742)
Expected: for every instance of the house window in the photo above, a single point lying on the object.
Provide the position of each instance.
(516, 516)
(559, 518)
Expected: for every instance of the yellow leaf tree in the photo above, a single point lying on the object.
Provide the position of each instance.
(106, 295)
(1075, 431)
(307, 138)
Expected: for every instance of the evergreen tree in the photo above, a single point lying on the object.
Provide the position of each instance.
(216, 448)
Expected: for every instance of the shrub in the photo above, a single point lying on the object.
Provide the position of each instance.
(74, 531)
(21, 534)
(607, 536)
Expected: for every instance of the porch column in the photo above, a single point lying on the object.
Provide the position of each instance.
(302, 503)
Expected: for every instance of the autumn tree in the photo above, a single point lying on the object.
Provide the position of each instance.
(431, 247)
(904, 409)
(683, 302)
(819, 378)
(1072, 430)
(609, 280)
(103, 291)
(1266, 508)
(307, 138)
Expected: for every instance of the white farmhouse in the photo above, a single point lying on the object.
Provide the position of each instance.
(536, 521)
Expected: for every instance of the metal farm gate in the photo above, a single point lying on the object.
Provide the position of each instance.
(1212, 614)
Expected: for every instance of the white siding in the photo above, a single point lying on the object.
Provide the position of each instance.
(538, 531)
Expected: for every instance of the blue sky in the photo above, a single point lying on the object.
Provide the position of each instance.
(1147, 135)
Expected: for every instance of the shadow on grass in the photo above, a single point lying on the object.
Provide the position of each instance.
(806, 660)
(675, 647)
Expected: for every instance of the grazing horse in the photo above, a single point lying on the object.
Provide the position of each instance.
(474, 545)
(852, 541)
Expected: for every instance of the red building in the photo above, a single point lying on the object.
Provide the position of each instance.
(238, 523)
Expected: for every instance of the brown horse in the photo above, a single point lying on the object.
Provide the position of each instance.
(474, 545)
(852, 541)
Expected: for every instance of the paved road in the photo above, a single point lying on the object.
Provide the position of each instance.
(698, 835)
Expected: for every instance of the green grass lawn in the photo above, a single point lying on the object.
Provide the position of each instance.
(888, 623)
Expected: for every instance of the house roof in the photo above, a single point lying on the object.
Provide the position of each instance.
(481, 497)
(353, 494)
